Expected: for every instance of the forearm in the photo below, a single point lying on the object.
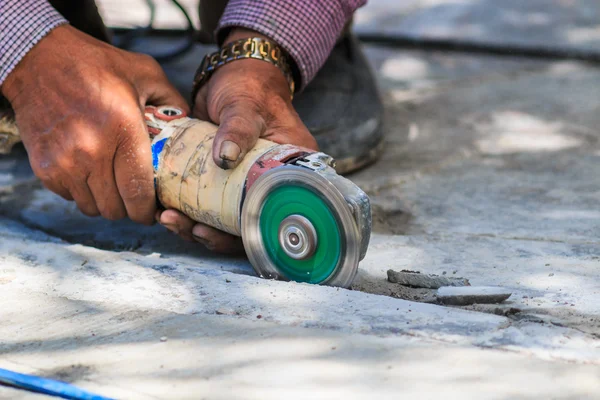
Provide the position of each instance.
(306, 29)
(23, 23)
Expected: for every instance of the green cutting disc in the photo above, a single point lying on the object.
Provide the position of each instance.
(289, 200)
(294, 199)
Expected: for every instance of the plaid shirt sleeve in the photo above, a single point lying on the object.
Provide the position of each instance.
(23, 23)
(306, 29)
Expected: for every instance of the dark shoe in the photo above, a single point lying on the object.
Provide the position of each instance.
(341, 107)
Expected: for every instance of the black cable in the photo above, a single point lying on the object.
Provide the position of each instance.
(128, 37)
(465, 46)
(395, 41)
(188, 44)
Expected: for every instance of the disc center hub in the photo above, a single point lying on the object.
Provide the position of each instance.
(297, 237)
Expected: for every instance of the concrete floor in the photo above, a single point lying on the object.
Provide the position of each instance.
(491, 172)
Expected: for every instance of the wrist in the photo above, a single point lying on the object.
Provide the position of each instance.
(24, 72)
(15, 82)
(243, 33)
(238, 33)
(24, 23)
(257, 66)
(251, 49)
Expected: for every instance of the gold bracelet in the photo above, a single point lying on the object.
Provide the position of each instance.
(256, 48)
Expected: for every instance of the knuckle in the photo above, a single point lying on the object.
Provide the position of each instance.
(87, 151)
(113, 213)
(47, 170)
(138, 191)
(244, 125)
(238, 99)
(250, 102)
(237, 123)
(150, 64)
(147, 60)
(130, 134)
(90, 211)
(139, 195)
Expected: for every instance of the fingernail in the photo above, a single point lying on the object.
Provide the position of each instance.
(203, 241)
(230, 151)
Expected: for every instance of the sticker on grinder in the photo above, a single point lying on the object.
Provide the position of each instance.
(160, 128)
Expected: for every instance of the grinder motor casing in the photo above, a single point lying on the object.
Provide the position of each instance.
(324, 210)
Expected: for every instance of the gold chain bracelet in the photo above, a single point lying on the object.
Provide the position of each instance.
(256, 48)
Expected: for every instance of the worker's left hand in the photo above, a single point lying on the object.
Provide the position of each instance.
(249, 99)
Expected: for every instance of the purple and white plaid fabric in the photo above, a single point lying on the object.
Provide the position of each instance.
(22, 24)
(306, 29)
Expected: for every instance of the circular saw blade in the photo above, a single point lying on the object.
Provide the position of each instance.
(292, 190)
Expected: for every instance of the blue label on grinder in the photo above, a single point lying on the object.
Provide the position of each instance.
(157, 148)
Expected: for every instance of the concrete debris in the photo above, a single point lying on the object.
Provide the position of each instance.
(415, 279)
(464, 296)
(225, 311)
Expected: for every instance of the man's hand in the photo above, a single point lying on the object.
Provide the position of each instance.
(79, 106)
(249, 99)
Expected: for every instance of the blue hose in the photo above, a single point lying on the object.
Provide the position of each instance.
(46, 386)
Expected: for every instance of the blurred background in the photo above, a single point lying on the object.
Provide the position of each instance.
(535, 29)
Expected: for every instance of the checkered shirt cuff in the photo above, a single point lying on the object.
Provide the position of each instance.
(306, 29)
(23, 23)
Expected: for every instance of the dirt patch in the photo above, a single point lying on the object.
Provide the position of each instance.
(70, 373)
(370, 284)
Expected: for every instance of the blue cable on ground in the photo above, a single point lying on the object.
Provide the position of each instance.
(46, 386)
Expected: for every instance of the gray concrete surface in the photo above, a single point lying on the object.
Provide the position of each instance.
(490, 173)
(573, 24)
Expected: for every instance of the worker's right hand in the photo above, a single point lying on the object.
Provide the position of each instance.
(79, 106)
(248, 99)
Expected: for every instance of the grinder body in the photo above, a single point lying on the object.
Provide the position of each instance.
(298, 219)
(187, 178)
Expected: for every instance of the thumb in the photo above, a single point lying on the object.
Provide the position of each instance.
(240, 127)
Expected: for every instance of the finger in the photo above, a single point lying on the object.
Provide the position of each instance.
(83, 198)
(43, 168)
(178, 223)
(166, 95)
(241, 126)
(133, 170)
(217, 240)
(297, 135)
(159, 92)
(58, 188)
(288, 128)
(200, 110)
(106, 194)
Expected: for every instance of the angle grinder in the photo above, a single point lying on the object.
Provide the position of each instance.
(299, 220)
